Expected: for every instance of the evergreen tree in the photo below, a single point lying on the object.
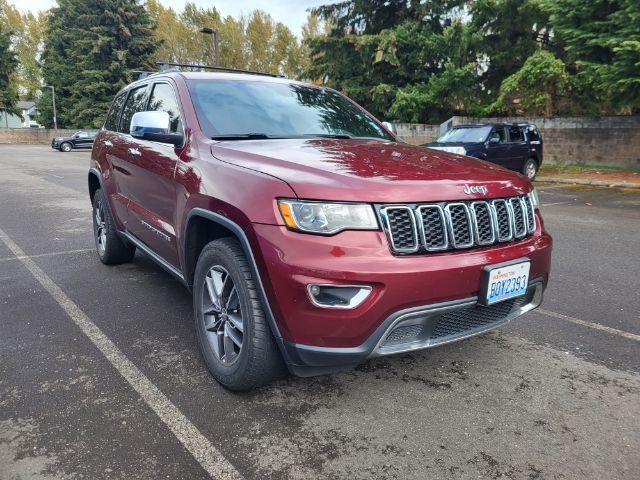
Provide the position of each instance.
(92, 49)
(8, 64)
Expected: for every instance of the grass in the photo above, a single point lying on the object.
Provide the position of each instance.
(576, 168)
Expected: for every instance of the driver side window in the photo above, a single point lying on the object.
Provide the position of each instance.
(499, 134)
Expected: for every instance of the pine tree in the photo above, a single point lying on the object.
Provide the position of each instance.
(92, 49)
(8, 64)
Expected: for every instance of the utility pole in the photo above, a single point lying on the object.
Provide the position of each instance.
(53, 100)
(216, 44)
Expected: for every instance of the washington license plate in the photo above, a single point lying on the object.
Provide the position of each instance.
(504, 281)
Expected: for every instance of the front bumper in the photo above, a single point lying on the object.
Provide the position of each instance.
(315, 337)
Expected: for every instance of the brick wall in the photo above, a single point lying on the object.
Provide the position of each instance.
(32, 135)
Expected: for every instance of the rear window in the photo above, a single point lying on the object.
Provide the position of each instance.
(516, 135)
(111, 123)
(532, 134)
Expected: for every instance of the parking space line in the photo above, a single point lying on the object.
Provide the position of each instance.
(50, 254)
(208, 456)
(584, 323)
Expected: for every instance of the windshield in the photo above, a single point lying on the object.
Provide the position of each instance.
(254, 108)
(466, 135)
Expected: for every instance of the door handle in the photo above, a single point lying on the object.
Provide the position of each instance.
(135, 152)
(107, 143)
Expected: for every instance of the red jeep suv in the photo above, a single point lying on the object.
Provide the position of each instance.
(308, 234)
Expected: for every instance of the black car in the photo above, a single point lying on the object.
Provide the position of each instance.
(514, 146)
(81, 139)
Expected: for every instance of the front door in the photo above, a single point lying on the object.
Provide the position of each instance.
(152, 165)
(498, 148)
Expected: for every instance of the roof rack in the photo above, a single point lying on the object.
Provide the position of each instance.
(172, 66)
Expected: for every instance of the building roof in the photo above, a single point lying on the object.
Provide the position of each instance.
(26, 105)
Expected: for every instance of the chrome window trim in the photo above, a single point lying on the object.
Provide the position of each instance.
(474, 221)
(387, 229)
(510, 220)
(445, 232)
(452, 237)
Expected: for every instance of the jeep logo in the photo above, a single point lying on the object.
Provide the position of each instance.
(475, 189)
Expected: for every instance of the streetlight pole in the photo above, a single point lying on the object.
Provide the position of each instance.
(53, 100)
(216, 45)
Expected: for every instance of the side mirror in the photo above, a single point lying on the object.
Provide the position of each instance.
(391, 127)
(154, 126)
(494, 140)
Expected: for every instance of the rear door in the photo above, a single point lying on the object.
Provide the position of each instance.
(498, 152)
(152, 165)
(518, 148)
(83, 140)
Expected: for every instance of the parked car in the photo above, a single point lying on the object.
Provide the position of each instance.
(81, 139)
(308, 235)
(514, 146)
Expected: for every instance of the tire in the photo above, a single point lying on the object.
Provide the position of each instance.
(66, 147)
(233, 334)
(530, 168)
(112, 250)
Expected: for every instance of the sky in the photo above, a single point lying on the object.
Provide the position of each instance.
(293, 13)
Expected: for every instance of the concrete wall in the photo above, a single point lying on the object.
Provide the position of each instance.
(586, 140)
(32, 135)
(417, 133)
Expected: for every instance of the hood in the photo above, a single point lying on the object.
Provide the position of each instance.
(370, 170)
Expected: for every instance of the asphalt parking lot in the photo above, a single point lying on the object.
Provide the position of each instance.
(100, 375)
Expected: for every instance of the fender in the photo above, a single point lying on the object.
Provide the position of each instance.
(246, 248)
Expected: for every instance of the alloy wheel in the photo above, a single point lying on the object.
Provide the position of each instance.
(101, 228)
(531, 170)
(222, 315)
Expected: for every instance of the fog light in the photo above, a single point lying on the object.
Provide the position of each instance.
(338, 296)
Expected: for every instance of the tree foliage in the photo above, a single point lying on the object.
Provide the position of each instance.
(255, 42)
(425, 61)
(8, 64)
(92, 49)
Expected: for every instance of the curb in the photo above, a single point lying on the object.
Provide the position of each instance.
(582, 181)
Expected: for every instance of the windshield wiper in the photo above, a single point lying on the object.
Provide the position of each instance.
(244, 136)
(328, 135)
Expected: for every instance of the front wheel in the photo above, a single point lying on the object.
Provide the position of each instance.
(530, 169)
(65, 147)
(233, 334)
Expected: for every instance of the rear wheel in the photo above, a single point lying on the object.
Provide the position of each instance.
(65, 147)
(530, 168)
(111, 249)
(233, 334)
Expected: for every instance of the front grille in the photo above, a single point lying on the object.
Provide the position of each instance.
(455, 225)
(403, 335)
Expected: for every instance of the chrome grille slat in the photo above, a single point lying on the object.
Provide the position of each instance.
(433, 229)
(457, 225)
(519, 222)
(460, 226)
(400, 224)
(483, 223)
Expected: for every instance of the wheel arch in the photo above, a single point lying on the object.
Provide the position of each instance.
(203, 226)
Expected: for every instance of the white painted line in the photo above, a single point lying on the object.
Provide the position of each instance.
(53, 175)
(216, 465)
(595, 326)
(50, 254)
(556, 203)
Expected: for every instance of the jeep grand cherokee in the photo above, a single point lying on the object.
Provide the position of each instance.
(308, 234)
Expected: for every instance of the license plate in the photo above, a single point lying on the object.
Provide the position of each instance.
(504, 281)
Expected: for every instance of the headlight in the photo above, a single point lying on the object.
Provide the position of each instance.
(327, 218)
(534, 198)
(459, 150)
